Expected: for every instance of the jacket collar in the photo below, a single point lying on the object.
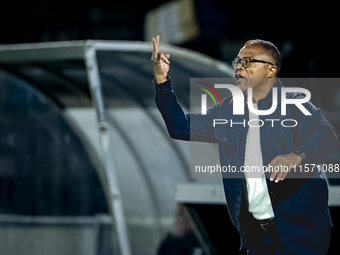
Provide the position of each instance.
(268, 99)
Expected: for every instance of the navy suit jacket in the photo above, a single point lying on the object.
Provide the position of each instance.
(300, 205)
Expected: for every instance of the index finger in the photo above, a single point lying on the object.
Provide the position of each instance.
(158, 41)
(155, 48)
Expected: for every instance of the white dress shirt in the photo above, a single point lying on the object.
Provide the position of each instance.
(259, 203)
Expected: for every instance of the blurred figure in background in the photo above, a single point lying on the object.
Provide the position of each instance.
(183, 241)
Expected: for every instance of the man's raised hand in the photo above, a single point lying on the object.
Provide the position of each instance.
(161, 63)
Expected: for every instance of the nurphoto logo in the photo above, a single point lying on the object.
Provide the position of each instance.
(238, 104)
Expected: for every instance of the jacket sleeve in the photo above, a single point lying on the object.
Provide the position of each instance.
(188, 127)
(320, 139)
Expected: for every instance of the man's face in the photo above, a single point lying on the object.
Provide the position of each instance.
(255, 69)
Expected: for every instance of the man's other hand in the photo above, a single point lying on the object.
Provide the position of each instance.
(281, 165)
(161, 63)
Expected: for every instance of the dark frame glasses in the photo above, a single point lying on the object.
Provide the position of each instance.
(245, 62)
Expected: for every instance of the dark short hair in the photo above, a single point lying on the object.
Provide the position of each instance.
(271, 50)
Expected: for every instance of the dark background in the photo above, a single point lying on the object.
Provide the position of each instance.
(304, 31)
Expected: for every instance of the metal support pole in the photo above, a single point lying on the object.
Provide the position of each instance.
(112, 187)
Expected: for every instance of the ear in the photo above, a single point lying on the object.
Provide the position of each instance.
(272, 71)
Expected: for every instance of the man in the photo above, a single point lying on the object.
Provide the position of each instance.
(273, 213)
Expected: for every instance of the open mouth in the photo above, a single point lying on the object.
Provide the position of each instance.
(239, 78)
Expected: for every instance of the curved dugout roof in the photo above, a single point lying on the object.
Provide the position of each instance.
(140, 157)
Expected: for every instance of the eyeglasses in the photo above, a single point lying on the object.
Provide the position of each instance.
(245, 62)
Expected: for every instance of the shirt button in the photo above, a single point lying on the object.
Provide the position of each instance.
(225, 139)
(242, 141)
(237, 194)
